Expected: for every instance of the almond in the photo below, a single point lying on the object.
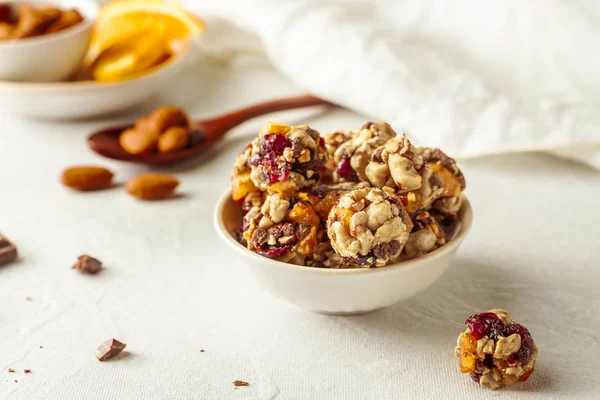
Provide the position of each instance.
(152, 186)
(167, 117)
(137, 141)
(173, 139)
(87, 177)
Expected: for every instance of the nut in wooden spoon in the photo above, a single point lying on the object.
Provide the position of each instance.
(167, 136)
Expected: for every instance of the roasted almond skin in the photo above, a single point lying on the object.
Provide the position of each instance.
(152, 186)
(173, 139)
(136, 141)
(85, 178)
(167, 117)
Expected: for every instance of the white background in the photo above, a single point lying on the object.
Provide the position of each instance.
(171, 288)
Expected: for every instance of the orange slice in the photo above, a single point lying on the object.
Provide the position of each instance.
(132, 36)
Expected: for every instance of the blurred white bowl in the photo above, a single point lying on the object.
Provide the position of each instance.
(49, 58)
(87, 99)
(340, 291)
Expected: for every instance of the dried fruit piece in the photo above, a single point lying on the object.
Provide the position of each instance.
(152, 186)
(85, 178)
(173, 139)
(240, 383)
(468, 350)
(88, 265)
(109, 349)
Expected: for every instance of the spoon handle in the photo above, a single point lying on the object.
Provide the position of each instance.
(216, 127)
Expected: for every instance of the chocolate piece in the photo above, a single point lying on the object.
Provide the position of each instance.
(109, 349)
(8, 251)
(240, 383)
(27, 371)
(88, 265)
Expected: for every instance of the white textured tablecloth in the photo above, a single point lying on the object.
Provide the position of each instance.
(171, 288)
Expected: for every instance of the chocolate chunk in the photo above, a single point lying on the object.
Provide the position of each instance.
(303, 231)
(287, 229)
(259, 237)
(240, 383)
(27, 371)
(385, 251)
(377, 156)
(8, 251)
(275, 231)
(88, 265)
(109, 349)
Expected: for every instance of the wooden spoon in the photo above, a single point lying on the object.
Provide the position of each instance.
(206, 133)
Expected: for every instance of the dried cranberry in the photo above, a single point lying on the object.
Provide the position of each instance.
(246, 206)
(322, 142)
(527, 344)
(273, 143)
(404, 200)
(345, 170)
(273, 252)
(276, 172)
(486, 324)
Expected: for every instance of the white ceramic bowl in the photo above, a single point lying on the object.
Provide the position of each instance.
(49, 58)
(340, 291)
(88, 99)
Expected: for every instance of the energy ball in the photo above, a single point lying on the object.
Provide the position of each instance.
(368, 228)
(398, 164)
(282, 229)
(285, 159)
(353, 155)
(495, 351)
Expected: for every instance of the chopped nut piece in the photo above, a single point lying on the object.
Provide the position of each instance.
(507, 346)
(109, 349)
(87, 265)
(11, 370)
(240, 383)
(28, 298)
(27, 371)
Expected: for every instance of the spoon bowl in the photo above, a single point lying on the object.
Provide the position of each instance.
(205, 133)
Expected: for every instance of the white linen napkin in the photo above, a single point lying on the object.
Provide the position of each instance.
(471, 77)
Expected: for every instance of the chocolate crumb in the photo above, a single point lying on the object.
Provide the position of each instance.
(11, 370)
(8, 251)
(16, 381)
(109, 349)
(240, 383)
(41, 347)
(27, 371)
(87, 265)
(202, 351)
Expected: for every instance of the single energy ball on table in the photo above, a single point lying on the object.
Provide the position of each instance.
(285, 159)
(368, 228)
(398, 164)
(352, 155)
(283, 229)
(495, 350)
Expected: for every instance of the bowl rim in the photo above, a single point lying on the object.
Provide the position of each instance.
(42, 40)
(77, 86)
(466, 213)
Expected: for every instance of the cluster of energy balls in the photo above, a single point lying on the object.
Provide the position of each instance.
(346, 199)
